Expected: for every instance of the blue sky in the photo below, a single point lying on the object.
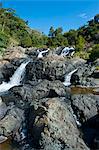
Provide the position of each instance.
(41, 14)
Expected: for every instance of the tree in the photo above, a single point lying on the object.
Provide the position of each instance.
(58, 31)
(96, 18)
(51, 32)
(71, 36)
(94, 53)
(26, 42)
(80, 43)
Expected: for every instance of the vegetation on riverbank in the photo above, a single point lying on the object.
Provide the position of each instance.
(15, 31)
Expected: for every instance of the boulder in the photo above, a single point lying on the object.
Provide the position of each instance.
(84, 106)
(51, 68)
(28, 94)
(83, 76)
(14, 52)
(11, 122)
(3, 109)
(52, 126)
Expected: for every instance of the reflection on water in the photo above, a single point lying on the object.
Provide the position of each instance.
(84, 90)
(6, 145)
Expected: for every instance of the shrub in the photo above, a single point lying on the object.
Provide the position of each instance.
(82, 54)
(94, 53)
(26, 42)
(3, 40)
(80, 43)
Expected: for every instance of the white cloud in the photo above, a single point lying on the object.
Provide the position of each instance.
(83, 15)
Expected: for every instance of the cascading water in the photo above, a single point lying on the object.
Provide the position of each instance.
(68, 77)
(68, 50)
(40, 55)
(15, 79)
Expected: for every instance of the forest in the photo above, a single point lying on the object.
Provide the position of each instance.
(14, 31)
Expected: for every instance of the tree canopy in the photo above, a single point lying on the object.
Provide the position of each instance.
(13, 27)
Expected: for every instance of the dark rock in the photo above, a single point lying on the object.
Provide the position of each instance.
(31, 52)
(83, 76)
(84, 106)
(28, 94)
(3, 109)
(90, 130)
(50, 68)
(55, 128)
(95, 74)
(11, 122)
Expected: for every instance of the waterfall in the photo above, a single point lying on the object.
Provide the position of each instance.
(67, 50)
(40, 55)
(15, 79)
(68, 77)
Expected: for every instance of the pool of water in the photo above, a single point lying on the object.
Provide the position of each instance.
(6, 145)
(85, 90)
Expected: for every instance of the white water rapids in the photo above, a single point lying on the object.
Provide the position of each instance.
(15, 79)
(68, 77)
(40, 55)
(68, 50)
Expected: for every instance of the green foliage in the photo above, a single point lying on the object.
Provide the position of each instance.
(91, 31)
(51, 32)
(18, 31)
(96, 18)
(56, 38)
(3, 40)
(71, 37)
(38, 39)
(80, 43)
(97, 67)
(82, 54)
(58, 31)
(15, 31)
(26, 42)
(94, 53)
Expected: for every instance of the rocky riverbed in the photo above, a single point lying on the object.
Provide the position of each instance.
(41, 112)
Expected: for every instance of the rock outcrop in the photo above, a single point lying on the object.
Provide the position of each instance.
(42, 113)
(56, 126)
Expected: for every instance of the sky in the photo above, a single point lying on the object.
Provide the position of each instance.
(42, 14)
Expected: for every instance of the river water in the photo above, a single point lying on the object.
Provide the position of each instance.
(6, 145)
